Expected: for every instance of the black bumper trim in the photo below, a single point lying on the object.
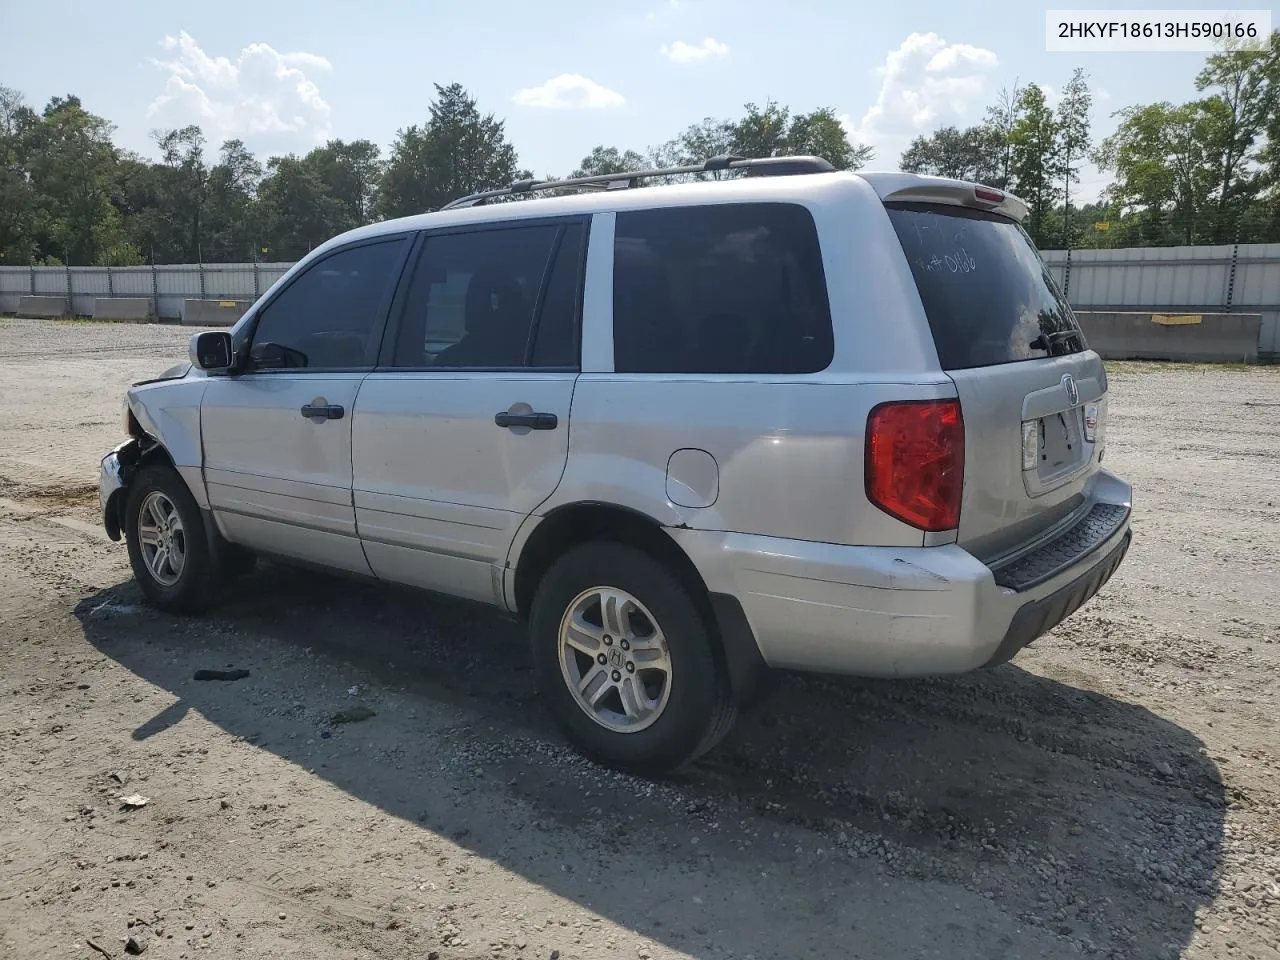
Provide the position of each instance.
(1045, 562)
(1040, 616)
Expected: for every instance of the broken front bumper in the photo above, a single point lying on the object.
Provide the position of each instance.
(113, 478)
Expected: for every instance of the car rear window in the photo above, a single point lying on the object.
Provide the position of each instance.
(988, 295)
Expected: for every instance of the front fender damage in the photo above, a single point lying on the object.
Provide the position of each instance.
(117, 471)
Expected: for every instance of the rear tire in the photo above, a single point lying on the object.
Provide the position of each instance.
(168, 548)
(626, 660)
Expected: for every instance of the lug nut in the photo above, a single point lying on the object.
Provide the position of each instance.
(625, 645)
(616, 676)
(608, 640)
(631, 667)
(601, 659)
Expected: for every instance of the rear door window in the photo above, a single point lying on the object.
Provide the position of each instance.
(724, 288)
(988, 295)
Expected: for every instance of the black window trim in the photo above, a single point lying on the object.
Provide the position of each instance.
(386, 355)
(377, 332)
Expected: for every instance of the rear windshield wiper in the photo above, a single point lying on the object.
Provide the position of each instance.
(1046, 341)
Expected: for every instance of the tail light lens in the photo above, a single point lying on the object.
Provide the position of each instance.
(915, 462)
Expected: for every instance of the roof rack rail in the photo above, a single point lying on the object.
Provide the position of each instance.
(760, 166)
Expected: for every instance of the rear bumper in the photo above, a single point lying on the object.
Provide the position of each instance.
(1041, 616)
(891, 611)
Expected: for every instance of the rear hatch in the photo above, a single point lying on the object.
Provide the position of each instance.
(1031, 392)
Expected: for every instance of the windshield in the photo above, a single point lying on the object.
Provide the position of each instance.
(988, 295)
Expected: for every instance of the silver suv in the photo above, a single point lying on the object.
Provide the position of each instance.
(794, 418)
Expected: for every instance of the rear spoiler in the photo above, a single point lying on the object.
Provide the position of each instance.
(914, 188)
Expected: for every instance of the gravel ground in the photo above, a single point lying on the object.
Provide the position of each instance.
(1112, 792)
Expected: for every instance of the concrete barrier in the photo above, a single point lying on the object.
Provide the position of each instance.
(137, 309)
(1204, 338)
(44, 307)
(213, 313)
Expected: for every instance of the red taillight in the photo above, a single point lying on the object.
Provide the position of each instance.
(988, 195)
(915, 462)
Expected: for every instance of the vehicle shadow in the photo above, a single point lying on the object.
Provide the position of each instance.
(1089, 820)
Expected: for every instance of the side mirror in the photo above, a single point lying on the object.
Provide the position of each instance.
(211, 350)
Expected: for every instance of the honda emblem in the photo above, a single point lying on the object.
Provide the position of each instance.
(1069, 385)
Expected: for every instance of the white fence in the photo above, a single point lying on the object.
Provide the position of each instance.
(1243, 278)
(167, 286)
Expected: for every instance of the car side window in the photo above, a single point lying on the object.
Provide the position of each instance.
(724, 288)
(331, 316)
(494, 298)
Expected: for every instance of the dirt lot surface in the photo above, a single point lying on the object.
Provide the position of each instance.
(1113, 792)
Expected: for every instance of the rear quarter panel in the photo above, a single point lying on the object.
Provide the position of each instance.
(788, 449)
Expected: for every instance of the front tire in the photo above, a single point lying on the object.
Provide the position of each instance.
(626, 660)
(168, 548)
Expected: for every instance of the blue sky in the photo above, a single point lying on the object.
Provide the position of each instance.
(565, 75)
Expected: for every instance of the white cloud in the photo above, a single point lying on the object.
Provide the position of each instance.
(262, 95)
(1052, 95)
(955, 55)
(569, 91)
(681, 52)
(925, 83)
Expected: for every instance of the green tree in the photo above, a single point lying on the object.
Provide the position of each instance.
(768, 131)
(1002, 117)
(1241, 105)
(1098, 225)
(772, 131)
(19, 201)
(604, 160)
(1035, 164)
(1074, 139)
(351, 171)
(760, 132)
(72, 167)
(969, 154)
(138, 201)
(1162, 157)
(1266, 220)
(459, 151)
(297, 209)
(693, 145)
(183, 183)
(821, 134)
(230, 217)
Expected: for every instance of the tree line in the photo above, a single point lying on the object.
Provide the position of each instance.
(1205, 171)
(69, 195)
